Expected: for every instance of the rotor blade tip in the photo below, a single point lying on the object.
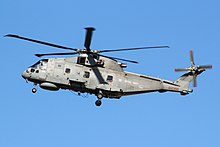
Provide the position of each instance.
(12, 35)
(38, 55)
(191, 51)
(9, 35)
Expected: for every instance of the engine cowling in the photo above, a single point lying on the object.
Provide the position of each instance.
(49, 86)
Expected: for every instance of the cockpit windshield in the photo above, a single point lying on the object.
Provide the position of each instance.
(42, 64)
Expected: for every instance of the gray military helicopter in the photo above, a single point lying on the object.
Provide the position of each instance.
(94, 73)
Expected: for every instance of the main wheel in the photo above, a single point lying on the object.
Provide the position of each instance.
(98, 103)
(34, 90)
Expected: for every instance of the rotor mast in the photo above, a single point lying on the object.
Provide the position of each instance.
(88, 38)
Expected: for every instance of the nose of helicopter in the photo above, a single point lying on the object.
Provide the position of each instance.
(25, 74)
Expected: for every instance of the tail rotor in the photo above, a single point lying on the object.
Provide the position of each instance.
(193, 69)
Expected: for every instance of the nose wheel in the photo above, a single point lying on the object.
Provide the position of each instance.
(34, 90)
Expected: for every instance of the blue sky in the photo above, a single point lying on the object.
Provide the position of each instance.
(64, 119)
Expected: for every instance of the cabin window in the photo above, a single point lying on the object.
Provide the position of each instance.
(81, 60)
(67, 70)
(86, 74)
(109, 78)
(42, 64)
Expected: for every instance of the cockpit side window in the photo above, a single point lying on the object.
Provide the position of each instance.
(35, 65)
(42, 64)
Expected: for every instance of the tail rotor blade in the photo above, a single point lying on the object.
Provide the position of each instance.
(192, 58)
(181, 69)
(88, 38)
(205, 67)
(194, 80)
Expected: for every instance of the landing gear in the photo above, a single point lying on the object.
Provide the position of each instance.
(34, 90)
(99, 101)
(99, 96)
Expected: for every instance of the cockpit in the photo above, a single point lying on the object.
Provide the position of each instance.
(42, 64)
(33, 71)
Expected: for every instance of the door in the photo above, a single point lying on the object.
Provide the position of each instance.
(58, 72)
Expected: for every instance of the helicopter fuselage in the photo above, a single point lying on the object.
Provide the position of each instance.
(96, 76)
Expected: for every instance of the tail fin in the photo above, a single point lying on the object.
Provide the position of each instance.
(186, 78)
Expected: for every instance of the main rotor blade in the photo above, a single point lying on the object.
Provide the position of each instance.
(115, 58)
(191, 58)
(137, 48)
(205, 66)
(88, 38)
(50, 54)
(40, 42)
(181, 69)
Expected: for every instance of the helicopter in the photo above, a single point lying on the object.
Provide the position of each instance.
(104, 76)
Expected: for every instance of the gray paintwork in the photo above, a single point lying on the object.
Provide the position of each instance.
(91, 77)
